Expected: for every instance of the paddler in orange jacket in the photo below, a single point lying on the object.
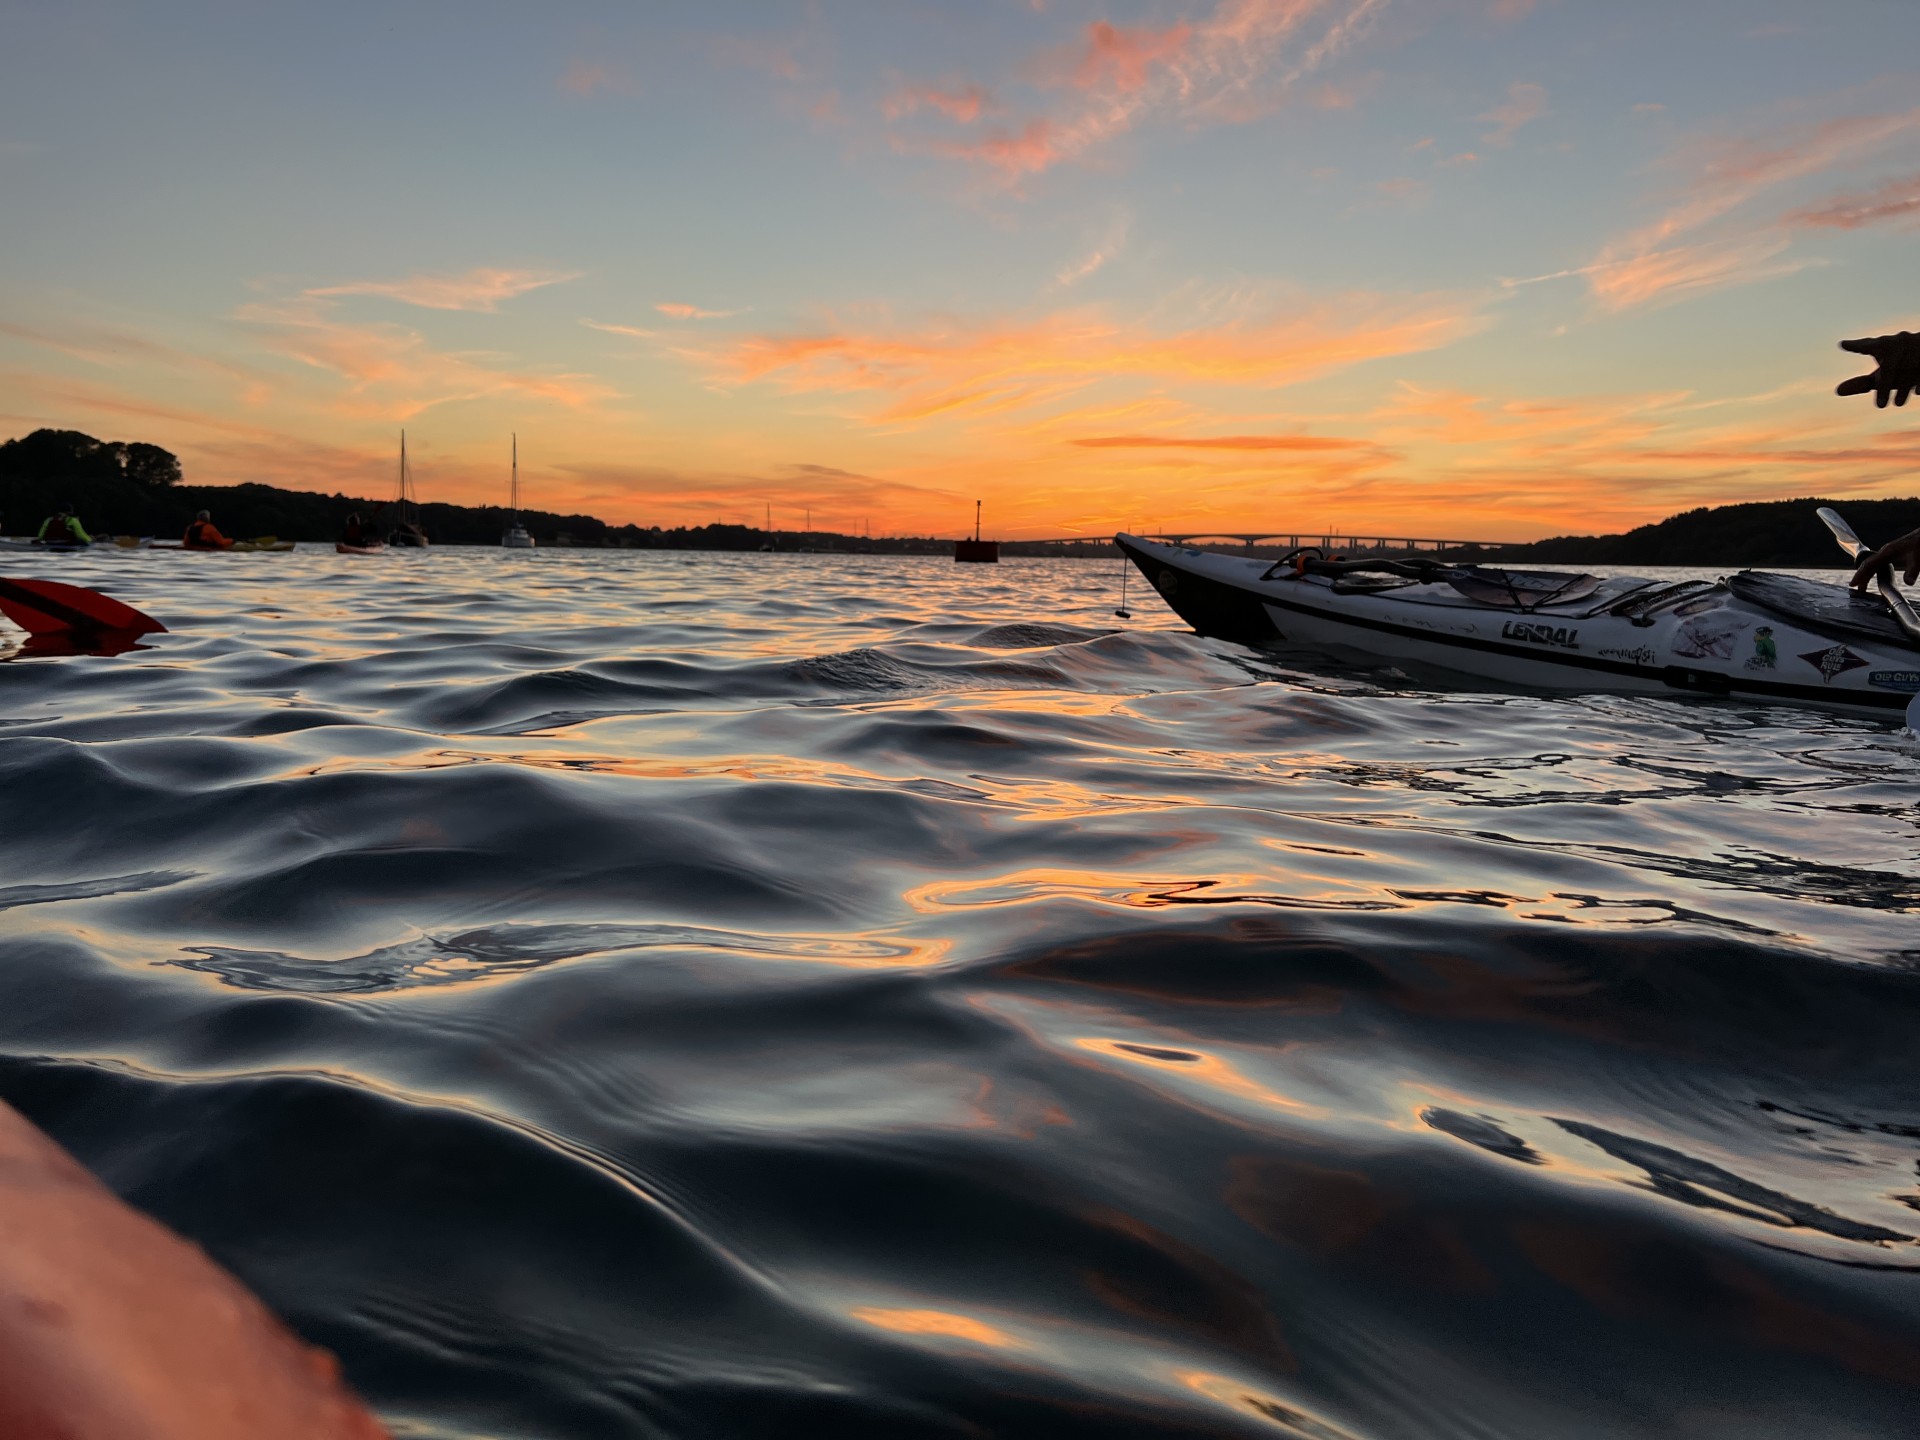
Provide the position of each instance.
(202, 534)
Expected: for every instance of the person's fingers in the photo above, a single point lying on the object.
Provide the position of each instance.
(1858, 385)
(1900, 396)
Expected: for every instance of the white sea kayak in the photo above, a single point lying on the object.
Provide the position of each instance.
(1753, 635)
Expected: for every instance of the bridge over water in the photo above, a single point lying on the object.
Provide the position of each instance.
(1349, 544)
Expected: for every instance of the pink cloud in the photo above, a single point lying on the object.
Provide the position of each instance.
(1122, 58)
(963, 106)
(1525, 103)
(1895, 200)
(1721, 175)
(1229, 67)
(584, 77)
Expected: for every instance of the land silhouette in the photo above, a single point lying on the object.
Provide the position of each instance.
(134, 488)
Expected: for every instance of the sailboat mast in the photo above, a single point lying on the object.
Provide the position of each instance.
(515, 499)
(976, 519)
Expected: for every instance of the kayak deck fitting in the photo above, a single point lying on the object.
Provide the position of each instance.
(1755, 635)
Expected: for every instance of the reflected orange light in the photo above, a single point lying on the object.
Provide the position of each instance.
(1208, 1070)
(936, 1322)
(1228, 1391)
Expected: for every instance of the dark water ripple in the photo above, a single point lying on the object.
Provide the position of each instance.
(617, 995)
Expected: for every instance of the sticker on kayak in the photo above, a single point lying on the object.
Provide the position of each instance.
(1536, 634)
(1907, 681)
(1834, 660)
(1706, 640)
(1166, 582)
(1765, 652)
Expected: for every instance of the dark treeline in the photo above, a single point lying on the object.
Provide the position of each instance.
(118, 488)
(1781, 534)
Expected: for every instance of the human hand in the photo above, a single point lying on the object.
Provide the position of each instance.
(1904, 551)
(1898, 357)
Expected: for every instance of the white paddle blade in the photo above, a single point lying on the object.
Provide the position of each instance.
(1843, 532)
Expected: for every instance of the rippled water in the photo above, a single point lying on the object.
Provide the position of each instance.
(607, 994)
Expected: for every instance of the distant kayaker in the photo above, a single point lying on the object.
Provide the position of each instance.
(203, 534)
(63, 527)
(357, 534)
(1898, 376)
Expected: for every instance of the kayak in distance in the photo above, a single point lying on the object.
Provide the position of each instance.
(43, 548)
(341, 547)
(1754, 635)
(239, 547)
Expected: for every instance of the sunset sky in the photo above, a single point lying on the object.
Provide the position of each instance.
(1464, 268)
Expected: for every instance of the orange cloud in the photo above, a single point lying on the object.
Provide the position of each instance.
(476, 290)
(393, 372)
(1895, 200)
(1220, 442)
(951, 369)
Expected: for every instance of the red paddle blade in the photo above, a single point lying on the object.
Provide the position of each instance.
(47, 607)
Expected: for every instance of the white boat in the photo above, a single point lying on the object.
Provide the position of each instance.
(516, 537)
(1754, 635)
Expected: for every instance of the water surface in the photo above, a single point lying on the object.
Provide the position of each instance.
(622, 994)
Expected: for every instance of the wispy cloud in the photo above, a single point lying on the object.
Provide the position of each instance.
(1680, 271)
(1221, 442)
(631, 331)
(679, 311)
(394, 372)
(586, 77)
(959, 370)
(1232, 64)
(481, 289)
(1894, 200)
(1096, 259)
(1669, 258)
(963, 104)
(1525, 103)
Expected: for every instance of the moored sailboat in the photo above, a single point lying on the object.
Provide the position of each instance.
(406, 531)
(516, 537)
